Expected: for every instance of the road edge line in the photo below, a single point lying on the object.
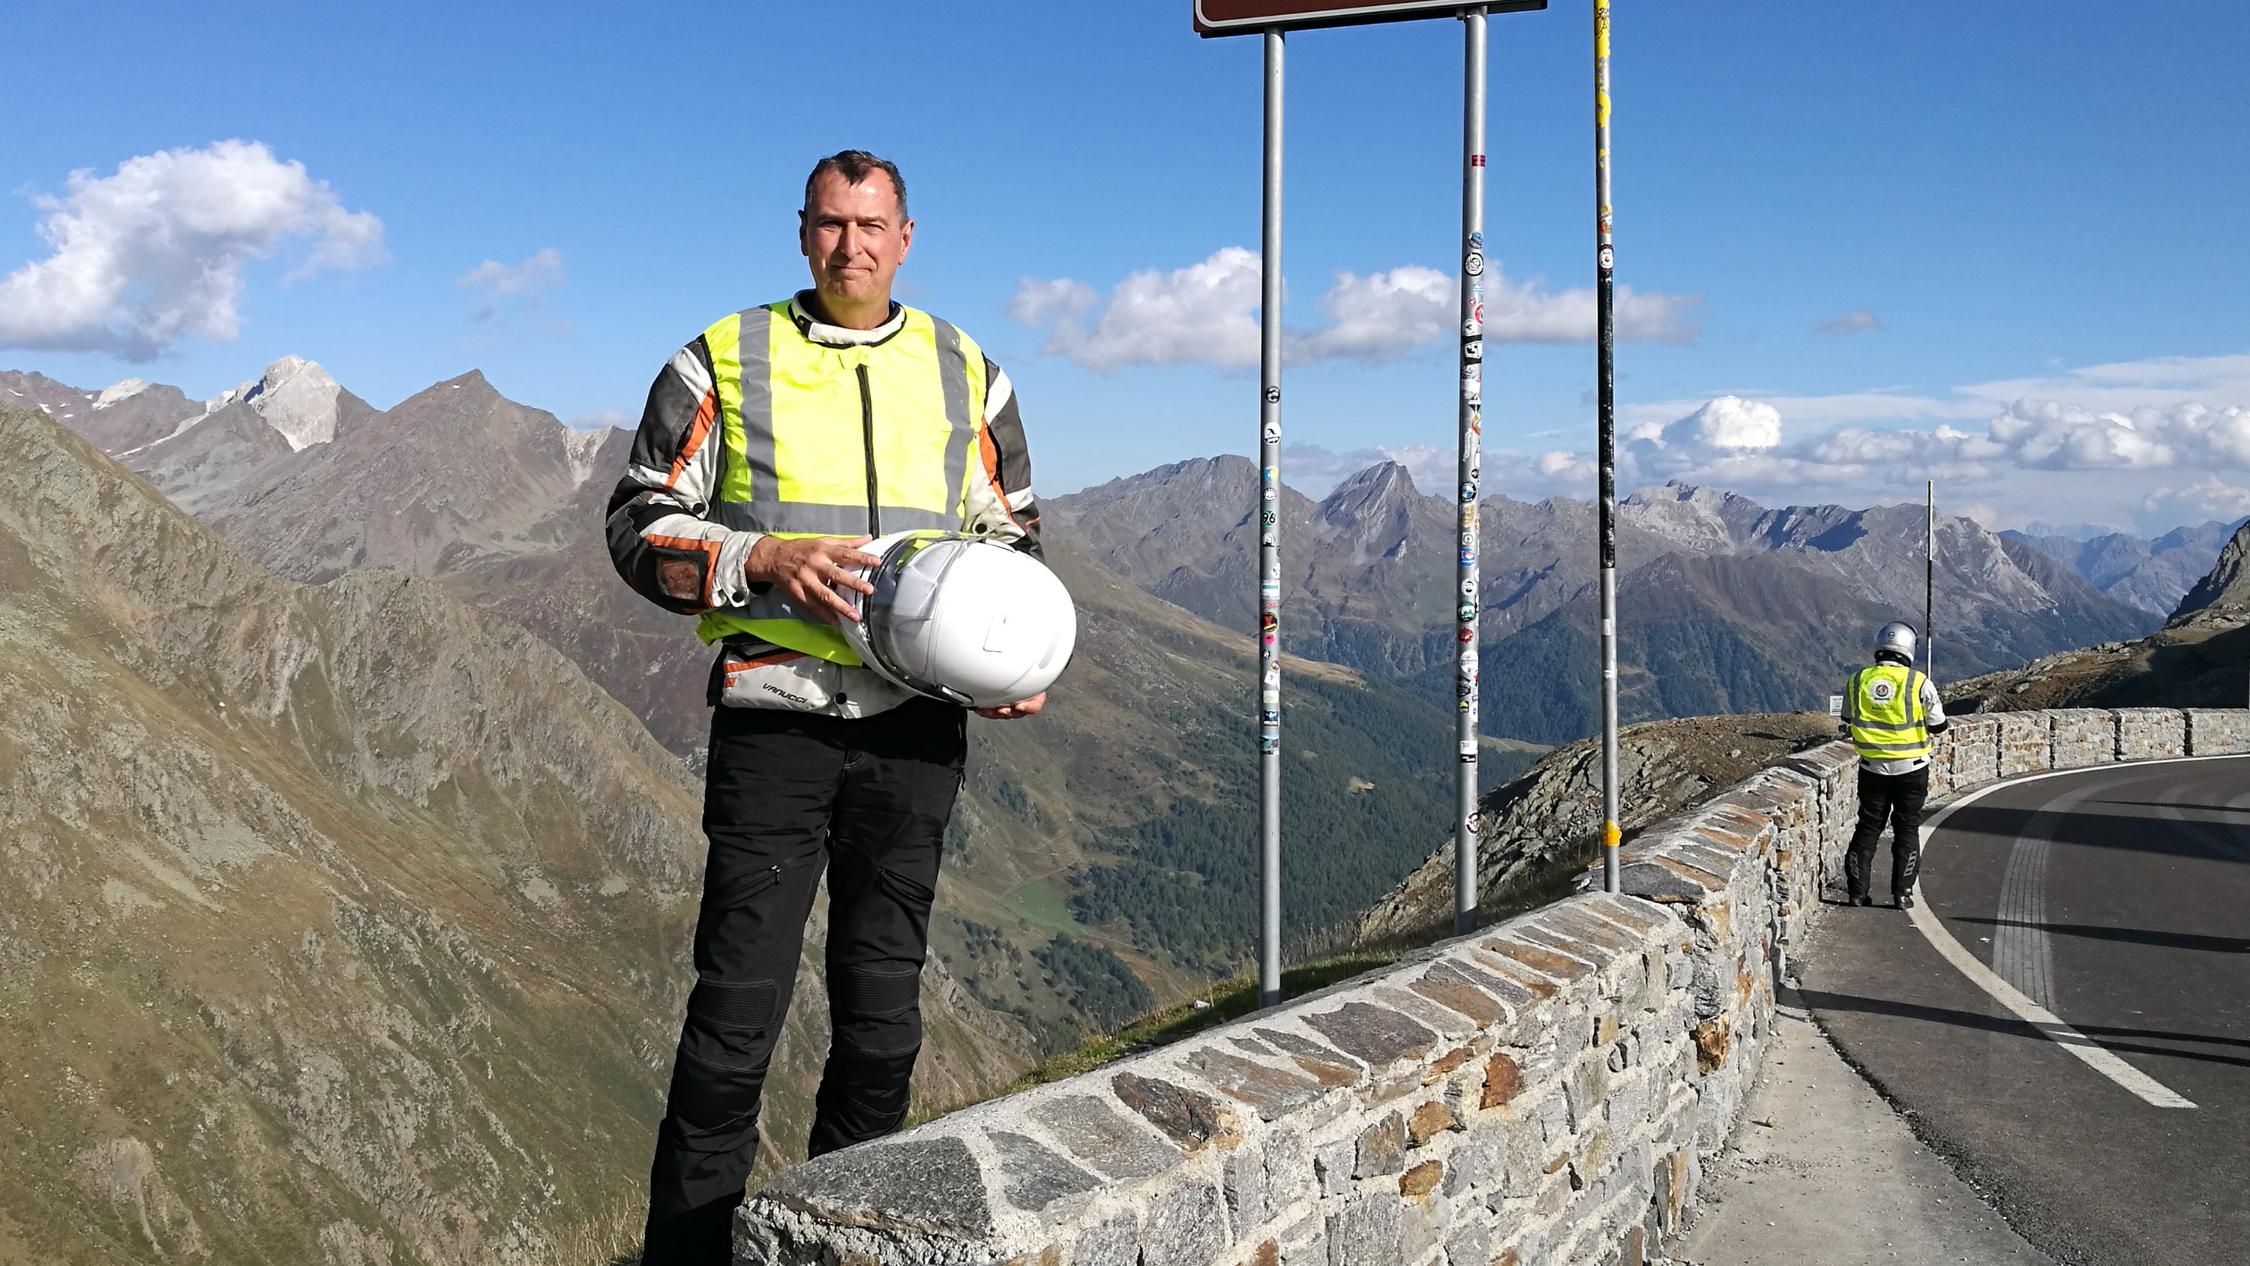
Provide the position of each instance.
(2094, 1055)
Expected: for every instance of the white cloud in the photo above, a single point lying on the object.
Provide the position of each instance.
(1039, 302)
(1728, 429)
(2207, 498)
(1524, 313)
(1856, 321)
(1206, 314)
(602, 419)
(154, 252)
(1382, 315)
(1740, 443)
(1874, 405)
(523, 283)
(1202, 314)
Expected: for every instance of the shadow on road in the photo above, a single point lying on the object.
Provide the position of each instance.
(1820, 1000)
(2130, 833)
(2159, 804)
(2138, 936)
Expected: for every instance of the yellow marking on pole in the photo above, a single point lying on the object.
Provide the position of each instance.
(1611, 836)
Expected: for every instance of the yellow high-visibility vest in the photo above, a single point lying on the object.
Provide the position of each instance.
(826, 440)
(1888, 722)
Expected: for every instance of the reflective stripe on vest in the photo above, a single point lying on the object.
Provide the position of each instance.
(1887, 718)
(802, 422)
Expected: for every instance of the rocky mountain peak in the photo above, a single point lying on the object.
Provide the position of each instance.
(297, 398)
(125, 390)
(2228, 582)
(1692, 517)
(1384, 482)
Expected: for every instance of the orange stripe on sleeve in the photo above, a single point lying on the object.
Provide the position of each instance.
(991, 453)
(778, 657)
(698, 431)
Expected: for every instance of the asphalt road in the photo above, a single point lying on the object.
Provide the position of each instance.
(2118, 899)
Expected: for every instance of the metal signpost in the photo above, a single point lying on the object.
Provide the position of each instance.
(1269, 548)
(1605, 361)
(1271, 18)
(1929, 590)
(1471, 445)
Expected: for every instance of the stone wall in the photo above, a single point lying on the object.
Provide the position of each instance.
(2081, 736)
(2218, 731)
(1544, 1092)
(2148, 733)
(2024, 743)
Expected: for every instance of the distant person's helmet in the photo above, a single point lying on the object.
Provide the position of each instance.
(1896, 638)
(962, 618)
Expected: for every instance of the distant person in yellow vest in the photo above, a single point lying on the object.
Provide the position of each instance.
(774, 445)
(1890, 712)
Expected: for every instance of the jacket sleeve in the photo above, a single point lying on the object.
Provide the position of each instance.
(1933, 708)
(1000, 498)
(660, 536)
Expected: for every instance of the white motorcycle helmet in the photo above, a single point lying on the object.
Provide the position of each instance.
(962, 618)
(1896, 638)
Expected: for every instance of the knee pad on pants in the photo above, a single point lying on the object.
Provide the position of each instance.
(725, 1048)
(877, 1010)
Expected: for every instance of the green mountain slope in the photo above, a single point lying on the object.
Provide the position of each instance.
(336, 924)
(1151, 733)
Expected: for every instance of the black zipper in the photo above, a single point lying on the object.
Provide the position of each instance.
(867, 435)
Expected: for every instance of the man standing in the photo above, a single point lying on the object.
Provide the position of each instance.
(1890, 712)
(773, 445)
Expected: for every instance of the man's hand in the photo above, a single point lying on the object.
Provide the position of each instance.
(812, 570)
(1020, 708)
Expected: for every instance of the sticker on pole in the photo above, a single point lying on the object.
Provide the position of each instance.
(1248, 17)
(1836, 706)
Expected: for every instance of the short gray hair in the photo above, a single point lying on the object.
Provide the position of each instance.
(855, 165)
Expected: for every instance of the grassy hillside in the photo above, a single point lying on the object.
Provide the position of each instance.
(336, 924)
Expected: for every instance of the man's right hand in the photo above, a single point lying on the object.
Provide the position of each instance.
(812, 570)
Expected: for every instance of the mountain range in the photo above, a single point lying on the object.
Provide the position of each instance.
(1725, 605)
(341, 733)
(340, 923)
(2152, 573)
(2199, 659)
(430, 711)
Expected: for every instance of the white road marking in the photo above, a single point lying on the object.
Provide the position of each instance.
(2094, 1055)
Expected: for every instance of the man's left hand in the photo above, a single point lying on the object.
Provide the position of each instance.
(1020, 708)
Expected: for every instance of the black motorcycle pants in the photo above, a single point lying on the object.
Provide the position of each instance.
(1893, 800)
(787, 795)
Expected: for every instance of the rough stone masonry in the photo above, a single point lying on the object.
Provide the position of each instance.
(1544, 1092)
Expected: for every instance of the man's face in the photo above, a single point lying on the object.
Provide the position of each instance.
(854, 239)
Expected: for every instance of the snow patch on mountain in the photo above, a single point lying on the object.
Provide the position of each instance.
(580, 448)
(115, 392)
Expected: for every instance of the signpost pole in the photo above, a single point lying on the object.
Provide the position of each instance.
(1606, 411)
(1471, 442)
(1269, 552)
(1929, 590)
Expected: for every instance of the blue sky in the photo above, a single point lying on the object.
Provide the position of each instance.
(2019, 224)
